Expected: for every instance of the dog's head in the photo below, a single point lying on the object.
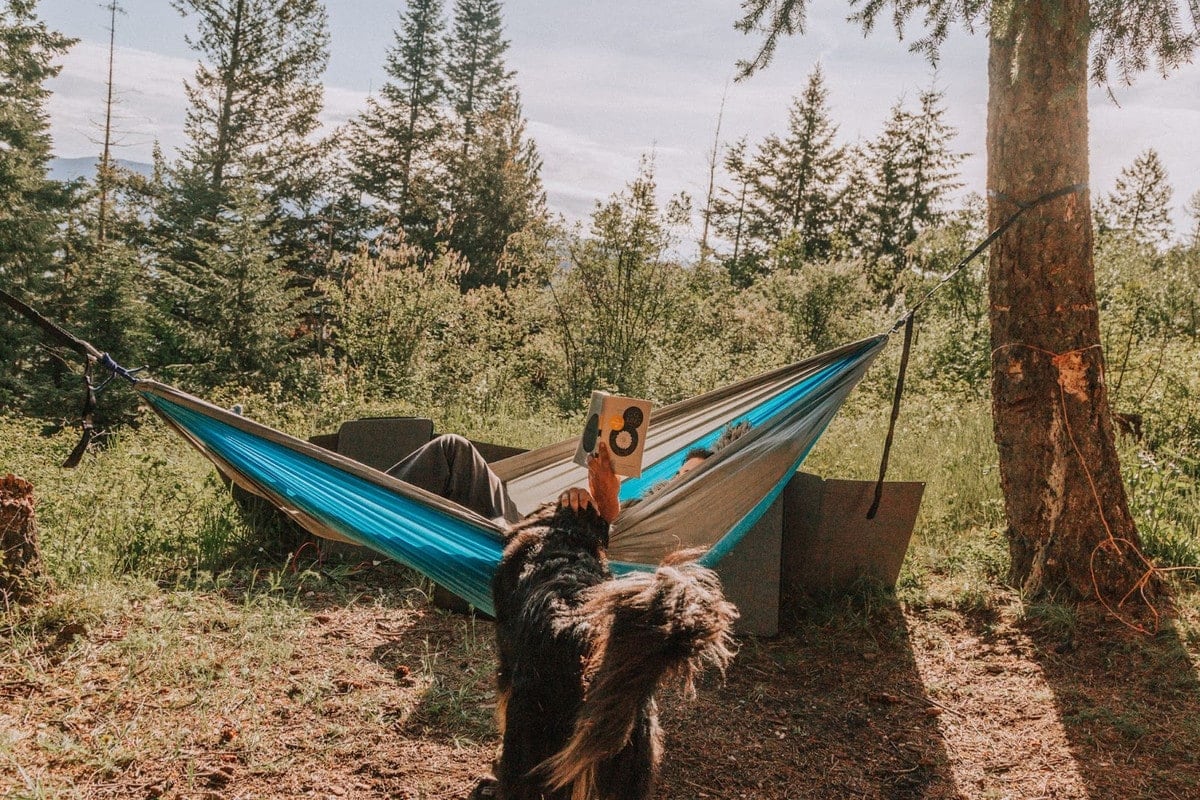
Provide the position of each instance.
(583, 530)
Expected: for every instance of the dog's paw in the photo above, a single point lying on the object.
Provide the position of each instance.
(486, 789)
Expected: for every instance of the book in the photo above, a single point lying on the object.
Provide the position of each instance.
(621, 423)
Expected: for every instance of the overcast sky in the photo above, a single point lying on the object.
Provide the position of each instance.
(604, 83)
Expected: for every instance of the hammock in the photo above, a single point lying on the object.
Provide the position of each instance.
(335, 497)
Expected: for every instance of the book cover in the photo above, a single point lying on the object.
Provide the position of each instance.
(621, 423)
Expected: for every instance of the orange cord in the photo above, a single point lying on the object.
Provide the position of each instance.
(1112, 541)
(296, 555)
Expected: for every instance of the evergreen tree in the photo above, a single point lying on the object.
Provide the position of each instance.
(913, 172)
(794, 185)
(494, 176)
(1140, 202)
(393, 144)
(257, 92)
(32, 206)
(254, 105)
(477, 81)
(232, 310)
(850, 232)
(497, 192)
(732, 219)
(1193, 209)
(100, 291)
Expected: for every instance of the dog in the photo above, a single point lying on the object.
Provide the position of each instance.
(581, 656)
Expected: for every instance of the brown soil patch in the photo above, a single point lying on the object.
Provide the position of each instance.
(360, 690)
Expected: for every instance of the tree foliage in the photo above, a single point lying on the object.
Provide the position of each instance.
(32, 207)
(477, 80)
(497, 192)
(619, 290)
(913, 171)
(230, 312)
(394, 141)
(1139, 206)
(257, 90)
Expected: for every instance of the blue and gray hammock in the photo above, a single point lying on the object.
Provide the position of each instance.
(335, 497)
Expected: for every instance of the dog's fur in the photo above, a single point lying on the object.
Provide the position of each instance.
(581, 656)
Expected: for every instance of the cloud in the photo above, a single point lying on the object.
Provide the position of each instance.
(149, 102)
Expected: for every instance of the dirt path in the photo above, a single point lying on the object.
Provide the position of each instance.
(365, 691)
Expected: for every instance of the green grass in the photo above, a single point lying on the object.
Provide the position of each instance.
(148, 507)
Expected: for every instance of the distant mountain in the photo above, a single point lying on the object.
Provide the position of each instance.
(68, 169)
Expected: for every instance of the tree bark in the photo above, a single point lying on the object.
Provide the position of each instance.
(19, 554)
(1070, 531)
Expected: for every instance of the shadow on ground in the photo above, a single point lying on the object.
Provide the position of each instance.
(1128, 704)
(835, 709)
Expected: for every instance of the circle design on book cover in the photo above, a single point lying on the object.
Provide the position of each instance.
(624, 440)
(591, 432)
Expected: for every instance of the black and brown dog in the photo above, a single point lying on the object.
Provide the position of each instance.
(582, 655)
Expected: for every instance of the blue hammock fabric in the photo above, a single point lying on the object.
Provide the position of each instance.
(333, 496)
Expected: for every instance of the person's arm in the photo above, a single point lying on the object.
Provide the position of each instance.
(603, 483)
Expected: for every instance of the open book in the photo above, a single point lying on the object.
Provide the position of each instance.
(620, 422)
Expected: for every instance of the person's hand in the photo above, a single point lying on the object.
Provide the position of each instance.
(604, 483)
(576, 498)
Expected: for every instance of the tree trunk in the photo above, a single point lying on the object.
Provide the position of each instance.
(1069, 528)
(19, 556)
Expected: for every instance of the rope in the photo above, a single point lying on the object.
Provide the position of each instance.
(1112, 541)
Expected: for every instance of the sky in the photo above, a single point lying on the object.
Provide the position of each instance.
(605, 84)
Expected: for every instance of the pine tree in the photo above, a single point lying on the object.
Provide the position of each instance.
(795, 181)
(494, 172)
(394, 142)
(232, 309)
(1140, 203)
(254, 105)
(497, 193)
(1193, 209)
(732, 218)
(257, 92)
(914, 171)
(477, 81)
(849, 232)
(32, 207)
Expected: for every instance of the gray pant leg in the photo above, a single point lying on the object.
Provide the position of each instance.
(451, 467)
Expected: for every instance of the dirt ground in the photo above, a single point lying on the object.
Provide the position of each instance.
(357, 687)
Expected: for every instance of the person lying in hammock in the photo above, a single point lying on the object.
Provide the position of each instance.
(451, 467)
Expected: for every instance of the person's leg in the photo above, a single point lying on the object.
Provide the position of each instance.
(451, 467)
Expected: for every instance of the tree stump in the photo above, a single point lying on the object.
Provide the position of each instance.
(20, 558)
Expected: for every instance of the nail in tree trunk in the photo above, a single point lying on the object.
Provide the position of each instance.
(19, 554)
(1070, 531)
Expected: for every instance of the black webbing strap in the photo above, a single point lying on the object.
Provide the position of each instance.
(90, 356)
(1022, 207)
(52, 330)
(907, 319)
(887, 444)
